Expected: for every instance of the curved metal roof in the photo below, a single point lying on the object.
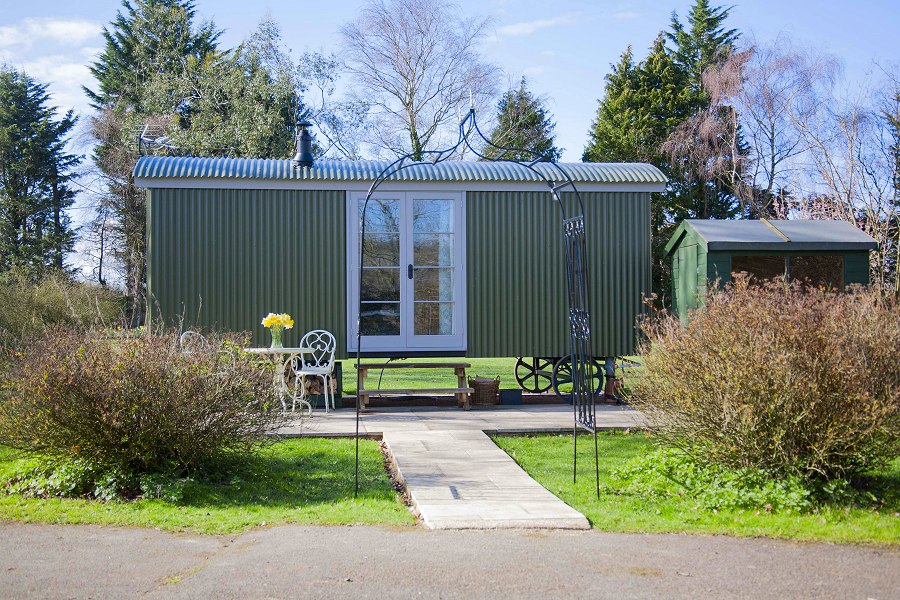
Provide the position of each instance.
(166, 167)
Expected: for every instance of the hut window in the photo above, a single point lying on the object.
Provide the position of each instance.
(759, 268)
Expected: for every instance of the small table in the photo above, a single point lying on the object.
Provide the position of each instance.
(281, 365)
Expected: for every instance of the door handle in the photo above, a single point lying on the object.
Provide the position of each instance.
(409, 271)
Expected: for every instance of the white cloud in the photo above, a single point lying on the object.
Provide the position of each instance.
(67, 32)
(55, 51)
(526, 28)
(63, 76)
(58, 69)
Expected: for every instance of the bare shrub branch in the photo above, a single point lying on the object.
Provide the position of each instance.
(777, 377)
(135, 401)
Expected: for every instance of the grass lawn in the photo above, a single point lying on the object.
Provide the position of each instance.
(306, 481)
(549, 460)
(429, 378)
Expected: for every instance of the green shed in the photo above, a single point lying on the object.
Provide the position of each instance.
(466, 257)
(830, 253)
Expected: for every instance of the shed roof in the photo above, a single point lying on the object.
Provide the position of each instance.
(151, 168)
(773, 235)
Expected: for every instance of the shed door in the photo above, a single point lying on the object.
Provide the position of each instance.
(687, 285)
(413, 272)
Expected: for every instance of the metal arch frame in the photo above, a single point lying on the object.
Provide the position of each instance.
(583, 401)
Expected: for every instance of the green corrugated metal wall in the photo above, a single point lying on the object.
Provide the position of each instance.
(515, 260)
(224, 258)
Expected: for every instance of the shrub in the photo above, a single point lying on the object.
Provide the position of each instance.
(27, 307)
(780, 378)
(135, 403)
(85, 479)
(669, 473)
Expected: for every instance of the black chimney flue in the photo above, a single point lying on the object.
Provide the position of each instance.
(304, 156)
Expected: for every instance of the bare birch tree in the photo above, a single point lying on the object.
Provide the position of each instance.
(851, 167)
(342, 123)
(416, 63)
(781, 86)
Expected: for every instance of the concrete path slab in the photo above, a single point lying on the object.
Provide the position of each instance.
(455, 475)
(466, 482)
(502, 419)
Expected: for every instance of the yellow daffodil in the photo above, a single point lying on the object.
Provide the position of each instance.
(282, 321)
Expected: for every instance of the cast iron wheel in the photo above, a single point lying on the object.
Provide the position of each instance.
(562, 377)
(534, 374)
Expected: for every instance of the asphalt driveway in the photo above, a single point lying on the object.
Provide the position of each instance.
(54, 561)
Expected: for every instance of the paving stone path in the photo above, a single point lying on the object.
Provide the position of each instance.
(455, 475)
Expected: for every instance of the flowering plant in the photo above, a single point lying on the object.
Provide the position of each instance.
(282, 321)
(276, 324)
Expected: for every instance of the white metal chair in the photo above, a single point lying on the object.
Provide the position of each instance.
(191, 341)
(317, 363)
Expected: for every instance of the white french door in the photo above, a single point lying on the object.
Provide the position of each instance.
(413, 293)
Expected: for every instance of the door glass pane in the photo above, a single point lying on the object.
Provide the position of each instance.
(380, 318)
(433, 284)
(381, 284)
(381, 250)
(381, 215)
(432, 216)
(434, 318)
(433, 249)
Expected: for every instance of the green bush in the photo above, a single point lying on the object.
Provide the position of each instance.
(134, 403)
(789, 380)
(669, 473)
(28, 307)
(78, 478)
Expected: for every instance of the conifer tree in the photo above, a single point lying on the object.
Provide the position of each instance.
(523, 122)
(702, 43)
(641, 105)
(35, 168)
(613, 138)
(645, 104)
(162, 71)
(147, 39)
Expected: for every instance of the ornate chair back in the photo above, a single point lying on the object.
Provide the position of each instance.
(323, 346)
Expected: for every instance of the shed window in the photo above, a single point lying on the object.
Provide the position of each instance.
(759, 268)
(827, 271)
(816, 270)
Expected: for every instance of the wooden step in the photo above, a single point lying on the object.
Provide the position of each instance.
(402, 365)
(462, 394)
(416, 392)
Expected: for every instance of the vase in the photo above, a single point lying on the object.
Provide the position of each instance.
(276, 338)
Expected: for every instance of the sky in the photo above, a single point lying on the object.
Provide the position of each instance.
(564, 48)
